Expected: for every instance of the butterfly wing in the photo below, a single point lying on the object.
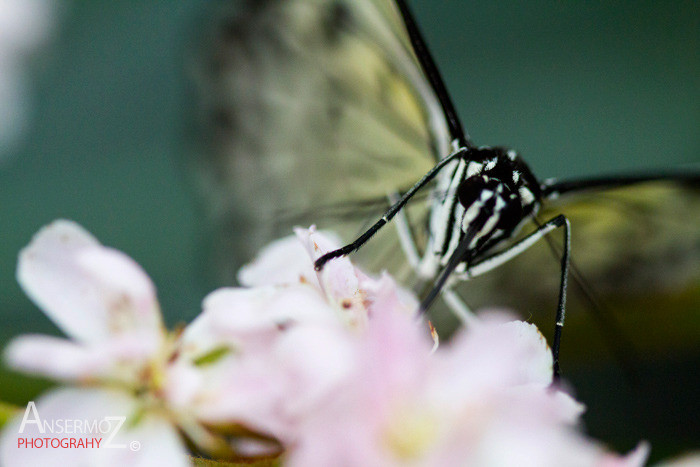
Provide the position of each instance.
(632, 351)
(313, 111)
(636, 251)
(310, 111)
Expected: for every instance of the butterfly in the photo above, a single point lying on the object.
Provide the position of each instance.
(324, 112)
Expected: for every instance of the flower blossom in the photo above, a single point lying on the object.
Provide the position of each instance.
(330, 367)
(116, 356)
(239, 364)
(484, 399)
(289, 340)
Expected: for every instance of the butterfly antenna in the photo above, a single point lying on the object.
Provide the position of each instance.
(388, 215)
(433, 74)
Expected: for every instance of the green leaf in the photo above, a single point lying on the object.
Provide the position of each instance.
(212, 356)
(19, 388)
(7, 412)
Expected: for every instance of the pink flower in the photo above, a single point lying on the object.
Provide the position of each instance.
(334, 365)
(483, 400)
(344, 287)
(118, 347)
(289, 341)
(337, 367)
(102, 418)
(96, 295)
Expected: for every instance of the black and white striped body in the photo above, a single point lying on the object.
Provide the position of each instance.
(486, 195)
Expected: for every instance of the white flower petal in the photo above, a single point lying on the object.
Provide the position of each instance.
(339, 279)
(317, 243)
(91, 414)
(536, 354)
(283, 261)
(239, 312)
(153, 441)
(245, 390)
(89, 291)
(385, 293)
(119, 358)
(637, 457)
(185, 384)
(52, 356)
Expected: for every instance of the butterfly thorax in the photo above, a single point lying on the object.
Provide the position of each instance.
(483, 198)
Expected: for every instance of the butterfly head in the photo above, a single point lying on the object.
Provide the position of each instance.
(497, 193)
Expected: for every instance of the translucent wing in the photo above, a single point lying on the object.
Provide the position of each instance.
(637, 249)
(314, 111)
(311, 111)
(633, 355)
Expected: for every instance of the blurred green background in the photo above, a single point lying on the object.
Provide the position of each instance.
(577, 87)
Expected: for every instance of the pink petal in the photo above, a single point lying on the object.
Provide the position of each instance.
(315, 360)
(91, 292)
(386, 294)
(271, 389)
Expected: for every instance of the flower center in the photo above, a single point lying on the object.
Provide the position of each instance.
(410, 434)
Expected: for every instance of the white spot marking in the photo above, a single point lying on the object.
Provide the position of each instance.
(472, 212)
(474, 168)
(500, 204)
(526, 196)
(485, 195)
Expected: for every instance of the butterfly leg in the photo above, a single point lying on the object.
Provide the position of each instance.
(388, 215)
(499, 258)
(453, 301)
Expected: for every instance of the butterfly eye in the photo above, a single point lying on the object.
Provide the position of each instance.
(470, 190)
